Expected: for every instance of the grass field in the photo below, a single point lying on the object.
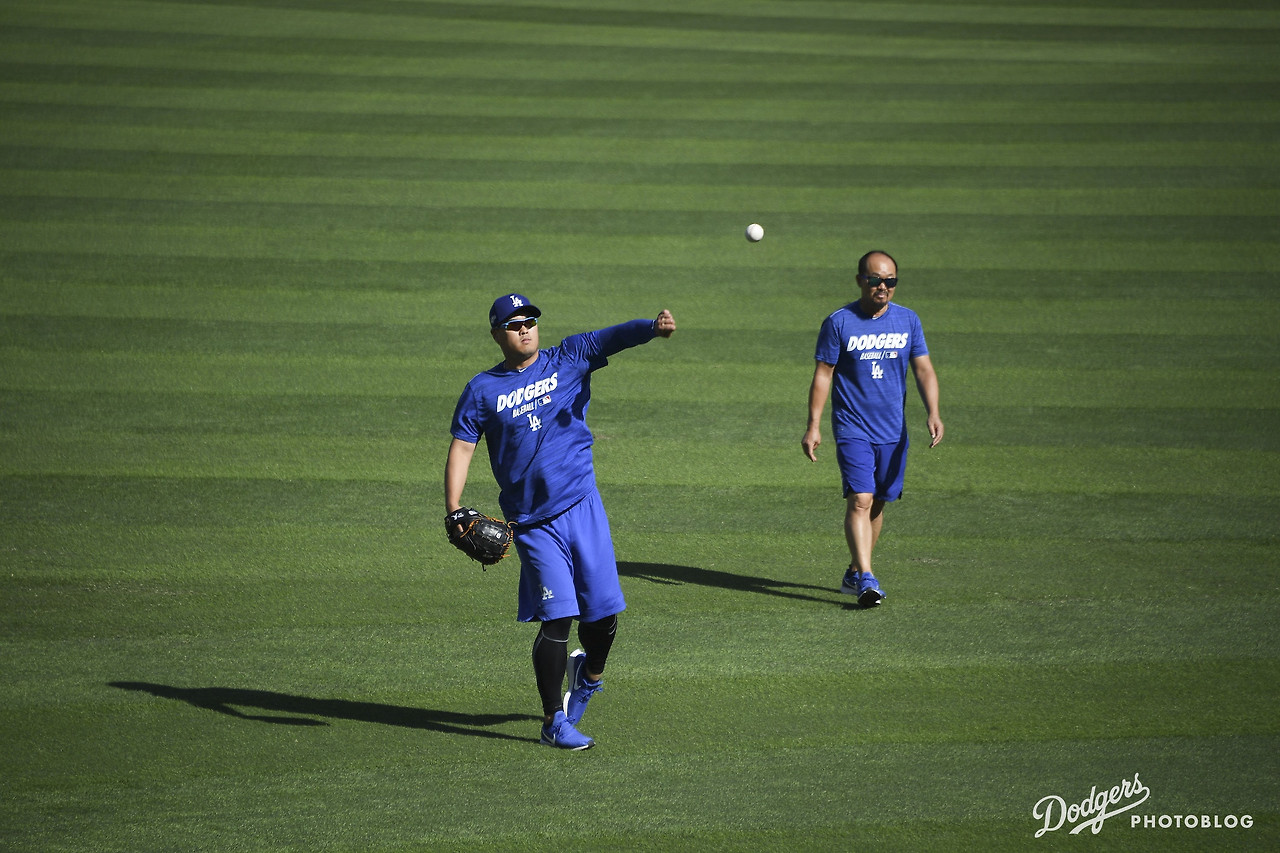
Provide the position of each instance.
(246, 250)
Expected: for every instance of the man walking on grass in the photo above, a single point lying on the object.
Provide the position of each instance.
(862, 356)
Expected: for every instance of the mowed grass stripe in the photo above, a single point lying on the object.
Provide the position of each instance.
(389, 326)
(805, 206)
(1056, 22)
(747, 82)
(923, 45)
(85, 558)
(425, 336)
(231, 374)
(353, 158)
(356, 142)
(776, 463)
(982, 706)
(176, 413)
(1169, 388)
(188, 415)
(125, 557)
(817, 290)
(645, 509)
(763, 77)
(969, 23)
(392, 218)
(511, 63)
(905, 125)
(945, 514)
(1163, 253)
(327, 108)
(677, 23)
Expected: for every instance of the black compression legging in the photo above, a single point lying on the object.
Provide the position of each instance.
(550, 654)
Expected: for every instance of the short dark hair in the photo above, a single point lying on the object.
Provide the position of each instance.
(862, 261)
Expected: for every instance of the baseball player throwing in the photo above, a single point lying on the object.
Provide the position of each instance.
(531, 411)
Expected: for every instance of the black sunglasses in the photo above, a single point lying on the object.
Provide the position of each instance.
(874, 281)
(522, 323)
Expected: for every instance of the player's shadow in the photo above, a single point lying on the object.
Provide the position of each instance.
(288, 710)
(665, 574)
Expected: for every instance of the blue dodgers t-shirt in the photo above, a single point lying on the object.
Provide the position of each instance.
(871, 357)
(534, 421)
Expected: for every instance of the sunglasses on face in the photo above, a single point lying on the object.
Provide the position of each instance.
(874, 281)
(522, 323)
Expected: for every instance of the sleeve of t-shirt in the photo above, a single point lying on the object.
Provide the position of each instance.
(466, 417)
(918, 346)
(596, 347)
(828, 348)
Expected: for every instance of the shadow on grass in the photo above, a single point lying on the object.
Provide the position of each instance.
(665, 574)
(288, 710)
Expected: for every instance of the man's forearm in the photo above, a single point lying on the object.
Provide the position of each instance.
(456, 467)
(615, 339)
(819, 389)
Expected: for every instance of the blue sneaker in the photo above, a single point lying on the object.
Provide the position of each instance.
(561, 734)
(580, 690)
(869, 592)
(864, 585)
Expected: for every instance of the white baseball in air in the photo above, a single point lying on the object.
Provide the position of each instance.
(755, 233)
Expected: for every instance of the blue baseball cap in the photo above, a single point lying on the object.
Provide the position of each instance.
(510, 305)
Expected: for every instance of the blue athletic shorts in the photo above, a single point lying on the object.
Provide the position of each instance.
(567, 566)
(873, 469)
